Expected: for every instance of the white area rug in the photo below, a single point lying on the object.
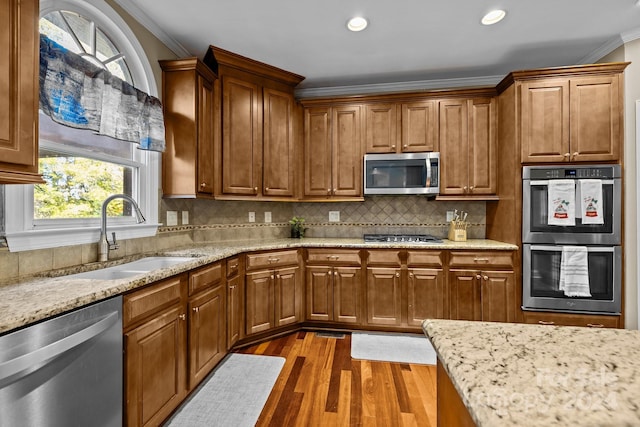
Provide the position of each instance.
(401, 348)
(233, 394)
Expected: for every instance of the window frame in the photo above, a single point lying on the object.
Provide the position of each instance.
(22, 231)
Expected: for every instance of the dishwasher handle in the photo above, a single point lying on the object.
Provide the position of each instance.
(37, 357)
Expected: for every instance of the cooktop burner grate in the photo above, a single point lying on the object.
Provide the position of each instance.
(401, 238)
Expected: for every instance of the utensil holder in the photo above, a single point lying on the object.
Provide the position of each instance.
(458, 231)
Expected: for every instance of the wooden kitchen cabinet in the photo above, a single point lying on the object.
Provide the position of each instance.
(273, 290)
(259, 124)
(19, 92)
(333, 154)
(572, 119)
(384, 296)
(468, 150)
(187, 163)
(235, 301)
(567, 319)
(333, 284)
(381, 130)
(420, 126)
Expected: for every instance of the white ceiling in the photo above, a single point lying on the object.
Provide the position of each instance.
(406, 41)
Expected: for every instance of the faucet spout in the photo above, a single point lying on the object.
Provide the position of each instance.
(103, 245)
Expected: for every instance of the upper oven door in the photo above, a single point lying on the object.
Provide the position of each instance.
(535, 227)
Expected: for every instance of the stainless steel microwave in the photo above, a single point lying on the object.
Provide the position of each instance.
(407, 173)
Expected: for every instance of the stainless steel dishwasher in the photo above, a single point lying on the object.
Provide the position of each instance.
(65, 371)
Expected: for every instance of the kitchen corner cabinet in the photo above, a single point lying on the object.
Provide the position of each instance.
(333, 286)
(333, 152)
(273, 290)
(19, 92)
(187, 94)
(468, 148)
(572, 119)
(482, 286)
(235, 301)
(258, 153)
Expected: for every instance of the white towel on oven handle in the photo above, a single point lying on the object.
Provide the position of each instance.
(590, 191)
(574, 271)
(561, 202)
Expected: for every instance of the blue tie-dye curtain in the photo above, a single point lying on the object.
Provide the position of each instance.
(79, 94)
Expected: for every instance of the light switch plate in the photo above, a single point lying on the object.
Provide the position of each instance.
(334, 216)
(267, 217)
(252, 217)
(172, 218)
(185, 217)
(450, 216)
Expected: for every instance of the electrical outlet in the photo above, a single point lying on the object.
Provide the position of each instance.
(185, 217)
(252, 217)
(267, 217)
(334, 216)
(172, 218)
(450, 216)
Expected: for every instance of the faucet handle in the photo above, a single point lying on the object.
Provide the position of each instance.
(113, 245)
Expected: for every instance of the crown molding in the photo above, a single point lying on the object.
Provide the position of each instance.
(144, 20)
(631, 35)
(379, 88)
(605, 49)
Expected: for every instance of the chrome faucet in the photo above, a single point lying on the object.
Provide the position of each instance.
(104, 246)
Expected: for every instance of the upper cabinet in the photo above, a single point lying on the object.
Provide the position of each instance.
(259, 126)
(333, 152)
(187, 163)
(419, 126)
(571, 114)
(19, 92)
(468, 147)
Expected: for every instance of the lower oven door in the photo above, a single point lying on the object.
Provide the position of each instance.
(541, 278)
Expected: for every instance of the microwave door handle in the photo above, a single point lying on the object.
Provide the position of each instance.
(427, 181)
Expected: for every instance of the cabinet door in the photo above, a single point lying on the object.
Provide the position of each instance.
(381, 128)
(346, 295)
(207, 333)
(235, 310)
(278, 169)
(205, 137)
(156, 367)
(595, 119)
(288, 296)
(384, 297)
(498, 297)
(454, 147)
(19, 92)
(241, 136)
(346, 152)
(482, 146)
(259, 301)
(317, 152)
(465, 295)
(426, 295)
(319, 293)
(419, 126)
(545, 120)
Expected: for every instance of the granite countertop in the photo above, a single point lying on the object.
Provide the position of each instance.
(37, 298)
(535, 375)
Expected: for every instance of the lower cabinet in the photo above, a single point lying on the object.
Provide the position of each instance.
(384, 296)
(235, 301)
(566, 319)
(273, 291)
(174, 335)
(425, 295)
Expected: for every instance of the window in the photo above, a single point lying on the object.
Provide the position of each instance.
(82, 169)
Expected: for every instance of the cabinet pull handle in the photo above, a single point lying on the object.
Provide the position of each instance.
(196, 309)
(481, 260)
(182, 316)
(546, 322)
(232, 287)
(595, 325)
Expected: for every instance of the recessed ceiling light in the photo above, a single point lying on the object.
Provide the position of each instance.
(493, 17)
(357, 24)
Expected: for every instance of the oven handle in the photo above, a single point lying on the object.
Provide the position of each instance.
(546, 182)
(547, 248)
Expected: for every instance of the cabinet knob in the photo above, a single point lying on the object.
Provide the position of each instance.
(196, 309)
(328, 191)
(393, 146)
(272, 277)
(266, 189)
(575, 154)
(203, 184)
(465, 188)
(277, 276)
(567, 155)
(335, 273)
(255, 190)
(411, 275)
(232, 287)
(397, 274)
(485, 277)
(334, 191)
(479, 277)
(405, 146)
(471, 188)
(182, 316)
(546, 322)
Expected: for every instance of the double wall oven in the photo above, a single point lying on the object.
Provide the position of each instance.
(544, 240)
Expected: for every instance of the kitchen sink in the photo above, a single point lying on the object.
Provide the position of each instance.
(130, 269)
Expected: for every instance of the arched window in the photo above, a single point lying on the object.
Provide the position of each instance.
(81, 169)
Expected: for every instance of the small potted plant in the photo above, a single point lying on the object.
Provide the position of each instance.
(297, 227)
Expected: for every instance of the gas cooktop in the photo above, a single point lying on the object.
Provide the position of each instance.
(401, 238)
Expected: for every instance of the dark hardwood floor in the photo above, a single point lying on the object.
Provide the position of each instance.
(320, 385)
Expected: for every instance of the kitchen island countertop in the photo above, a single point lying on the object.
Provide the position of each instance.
(36, 298)
(536, 375)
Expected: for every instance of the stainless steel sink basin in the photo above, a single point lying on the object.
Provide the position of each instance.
(130, 269)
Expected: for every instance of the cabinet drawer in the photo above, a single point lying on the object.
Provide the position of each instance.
(481, 260)
(333, 256)
(151, 299)
(272, 259)
(562, 319)
(384, 258)
(233, 266)
(424, 259)
(205, 277)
